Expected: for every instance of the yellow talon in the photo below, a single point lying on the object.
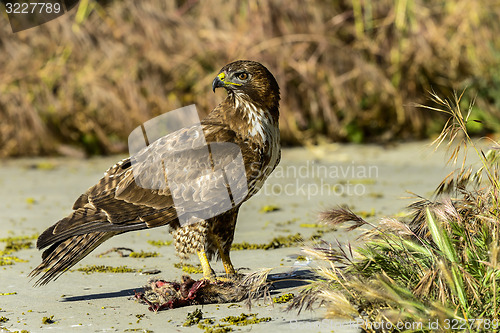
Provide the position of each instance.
(208, 272)
(226, 261)
(228, 266)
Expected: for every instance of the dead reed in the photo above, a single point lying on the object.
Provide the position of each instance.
(349, 70)
(440, 265)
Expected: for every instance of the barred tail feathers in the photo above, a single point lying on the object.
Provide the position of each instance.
(62, 255)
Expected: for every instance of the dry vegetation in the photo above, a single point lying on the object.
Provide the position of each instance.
(349, 70)
(439, 266)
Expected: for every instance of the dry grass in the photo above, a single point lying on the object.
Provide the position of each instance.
(349, 70)
(441, 264)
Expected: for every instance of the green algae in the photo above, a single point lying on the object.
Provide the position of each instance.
(209, 325)
(311, 225)
(139, 317)
(5, 330)
(9, 260)
(217, 328)
(15, 244)
(269, 208)
(159, 243)
(193, 318)
(143, 254)
(280, 241)
(188, 268)
(48, 320)
(107, 269)
(245, 319)
(275, 243)
(285, 298)
(18, 243)
(282, 224)
(44, 165)
(317, 234)
(30, 200)
(364, 214)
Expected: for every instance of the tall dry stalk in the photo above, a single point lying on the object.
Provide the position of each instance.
(349, 70)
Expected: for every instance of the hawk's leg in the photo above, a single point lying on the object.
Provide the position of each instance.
(208, 272)
(226, 261)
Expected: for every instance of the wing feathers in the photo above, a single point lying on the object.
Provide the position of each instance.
(133, 194)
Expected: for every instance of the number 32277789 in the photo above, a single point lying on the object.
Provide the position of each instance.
(33, 7)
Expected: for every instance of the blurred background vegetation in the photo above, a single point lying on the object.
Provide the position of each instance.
(349, 70)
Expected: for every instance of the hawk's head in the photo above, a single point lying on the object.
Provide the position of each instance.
(251, 81)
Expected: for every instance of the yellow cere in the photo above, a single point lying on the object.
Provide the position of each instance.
(222, 77)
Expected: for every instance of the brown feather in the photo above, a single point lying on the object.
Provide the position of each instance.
(247, 119)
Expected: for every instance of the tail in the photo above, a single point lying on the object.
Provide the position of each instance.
(62, 255)
(69, 241)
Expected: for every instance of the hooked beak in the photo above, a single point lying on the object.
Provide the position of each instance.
(218, 81)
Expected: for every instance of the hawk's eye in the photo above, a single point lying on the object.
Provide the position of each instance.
(242, 76)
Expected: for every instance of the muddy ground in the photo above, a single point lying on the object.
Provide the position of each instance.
(35, 193)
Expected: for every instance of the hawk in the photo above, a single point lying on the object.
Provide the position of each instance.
(247, 118)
